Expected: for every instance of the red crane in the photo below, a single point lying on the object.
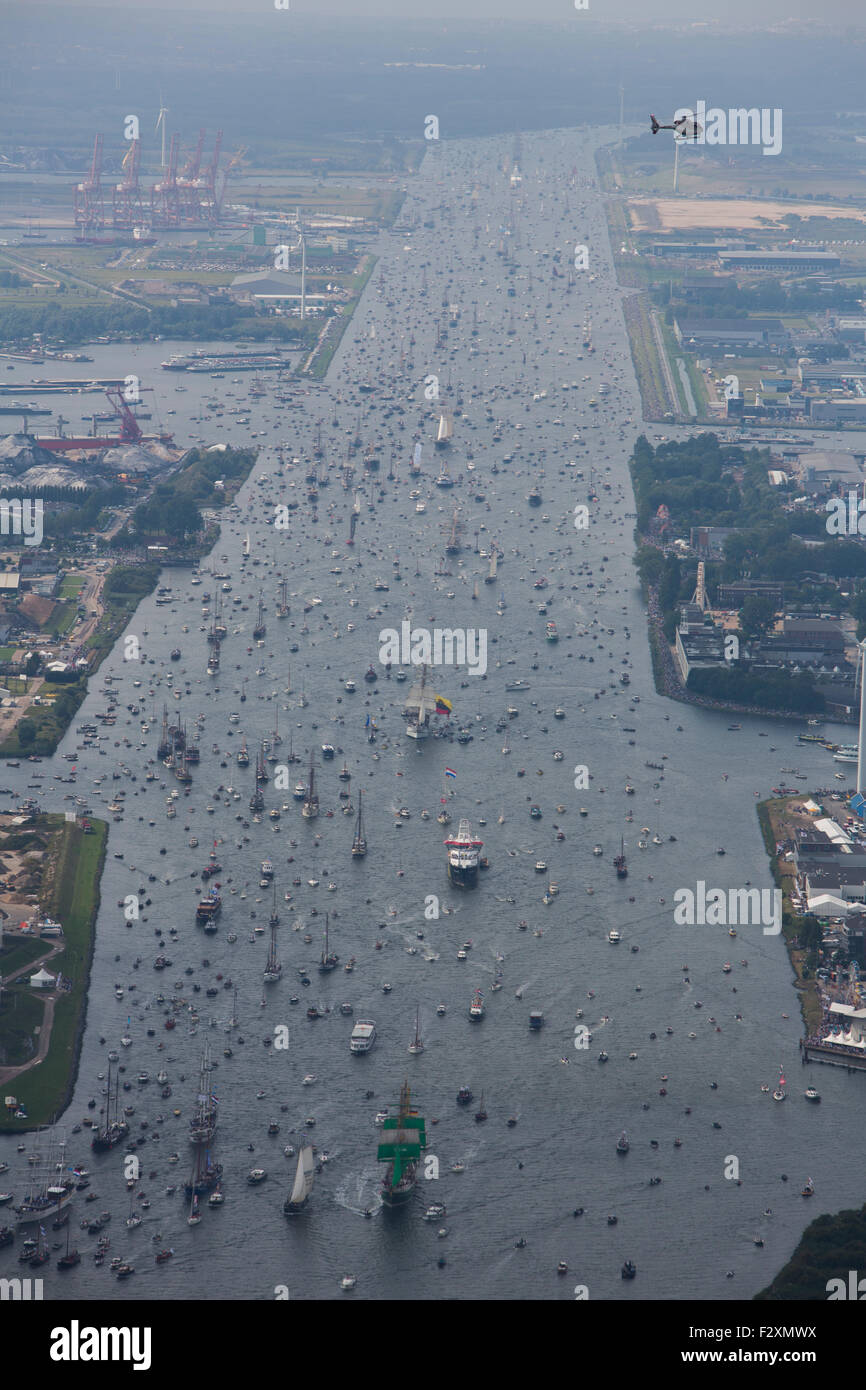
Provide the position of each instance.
(129, 432)
(209, 203)
(188, 184)
(127, 209)
(164, 197)
(87, 197)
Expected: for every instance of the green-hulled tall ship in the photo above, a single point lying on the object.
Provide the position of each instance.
(404, 1136)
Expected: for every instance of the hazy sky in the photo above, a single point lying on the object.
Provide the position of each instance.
(684, 12)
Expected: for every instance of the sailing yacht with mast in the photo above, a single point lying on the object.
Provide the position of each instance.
(310, 808)
(359, 843)
(445, 429)
(273, 967)
(303, 1184)
(417, 1044)
(330, 959)
(283, 609)
(259, 629)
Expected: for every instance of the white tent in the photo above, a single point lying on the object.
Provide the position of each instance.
(828, 905)
(41, 980)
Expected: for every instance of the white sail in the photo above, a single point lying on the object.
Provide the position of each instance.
(303, 1185)
(445, 430)
(417, 456)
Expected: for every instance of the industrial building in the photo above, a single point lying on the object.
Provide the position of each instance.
(840, 411)
(779, 260)
(730, 334)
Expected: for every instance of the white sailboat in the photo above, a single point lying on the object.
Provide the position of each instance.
(303, 1184)
(445, 430)
(417, 1043)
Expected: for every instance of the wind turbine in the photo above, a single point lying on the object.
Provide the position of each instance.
(160, 121)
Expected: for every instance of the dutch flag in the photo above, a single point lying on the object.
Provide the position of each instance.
(449, 772)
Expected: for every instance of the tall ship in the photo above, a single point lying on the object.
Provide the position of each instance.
(303, 1184)
(259, 629)
(403, 1137)
(359, 843)
(619, 861)
(205, 1173)
(50, 1185)
(114, 1128)
(422, 705)
(463, 857)
(203, 1124)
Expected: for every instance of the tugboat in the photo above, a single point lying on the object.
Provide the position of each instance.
(243, 755)
(175, 656)
(403, 1138)
(628, 1270)
(464, 1096)
(476, 1008)
(209, 910)
(463, 857)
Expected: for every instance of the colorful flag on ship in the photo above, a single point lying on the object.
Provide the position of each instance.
(443, 706)
(449, 772)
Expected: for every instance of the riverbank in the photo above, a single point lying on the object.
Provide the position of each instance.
(668, 680)
(53, 1025)
(779, 822)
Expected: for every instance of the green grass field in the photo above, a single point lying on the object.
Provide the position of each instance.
(72, 880)
(15, 953)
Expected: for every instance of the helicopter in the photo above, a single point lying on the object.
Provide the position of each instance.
(686, 128)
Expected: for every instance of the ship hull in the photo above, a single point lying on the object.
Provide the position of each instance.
(398, 1196)
(463, 878)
